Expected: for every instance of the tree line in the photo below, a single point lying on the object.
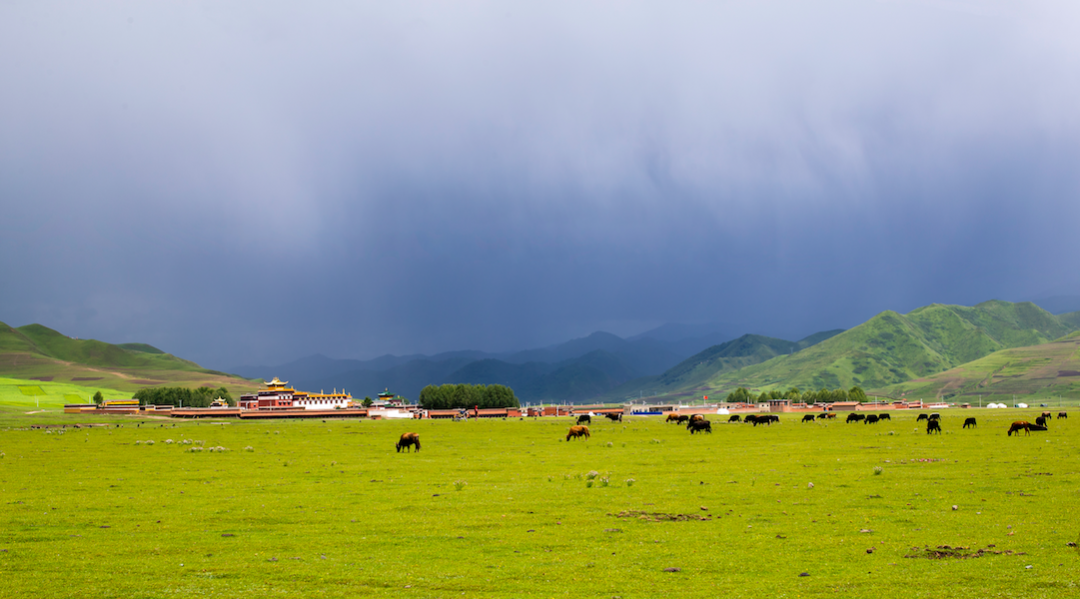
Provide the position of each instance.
(823, 395)
(200, 397)
(450, 397)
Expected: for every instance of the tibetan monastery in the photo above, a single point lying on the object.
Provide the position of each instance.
(279, 395)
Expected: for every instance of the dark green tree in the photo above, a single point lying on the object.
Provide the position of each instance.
(98, 398)
(740, 395)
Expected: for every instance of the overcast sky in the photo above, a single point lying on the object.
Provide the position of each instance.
(252, 182)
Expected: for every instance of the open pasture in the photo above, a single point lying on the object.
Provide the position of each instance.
(510, 509)
(29, 395)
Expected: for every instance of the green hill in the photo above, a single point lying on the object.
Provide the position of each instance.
(36, 352)
(891, 348)
(1046, 370)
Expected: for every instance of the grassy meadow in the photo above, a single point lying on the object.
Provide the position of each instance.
(507, 509)
(29, 395)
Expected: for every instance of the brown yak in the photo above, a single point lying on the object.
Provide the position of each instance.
(1018, 425)
(407, 440)
(672, 418)
(577, 431)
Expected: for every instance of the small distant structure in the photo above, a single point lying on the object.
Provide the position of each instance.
(388, 399)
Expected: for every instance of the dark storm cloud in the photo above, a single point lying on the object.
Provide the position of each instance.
(240, 183)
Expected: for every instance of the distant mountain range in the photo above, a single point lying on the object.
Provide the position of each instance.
(573, 371)
(937, 350)
(877, 355)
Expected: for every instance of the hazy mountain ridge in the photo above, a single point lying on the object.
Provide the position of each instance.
(687, 376)
(576, 370)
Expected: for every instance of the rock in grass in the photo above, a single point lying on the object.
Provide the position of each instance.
(804, 574)
(672, 569)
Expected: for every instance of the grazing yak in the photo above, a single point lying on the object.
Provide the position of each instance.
(673, 418)
(757, 419)
(933, 425)
(1047, 415)
(734, 418)
(853, 417)
(695, 426)
(970, 422)
(583, 419)
(921, 417)
(935, 416)
(808, 418)
(577, 431)
(884, 417)
(822, 415)
(614, 417)
(1017, 426)
(871, 419)
(1041, 421)
(1062, 415)
(408, 440)
(830, 415)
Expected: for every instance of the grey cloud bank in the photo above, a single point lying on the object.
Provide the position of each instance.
(256, 182)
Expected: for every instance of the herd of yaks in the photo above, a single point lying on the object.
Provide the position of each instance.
(697, 423)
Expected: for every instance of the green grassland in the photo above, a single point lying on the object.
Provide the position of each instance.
(38, 352)
(505, 509)
(891, 348)
(36, 395)
(1039, 372)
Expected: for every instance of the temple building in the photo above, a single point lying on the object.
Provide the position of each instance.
(279, 395)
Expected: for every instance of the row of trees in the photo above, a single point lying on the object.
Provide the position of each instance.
(744, 395)
(449, 397)
(200, 397)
